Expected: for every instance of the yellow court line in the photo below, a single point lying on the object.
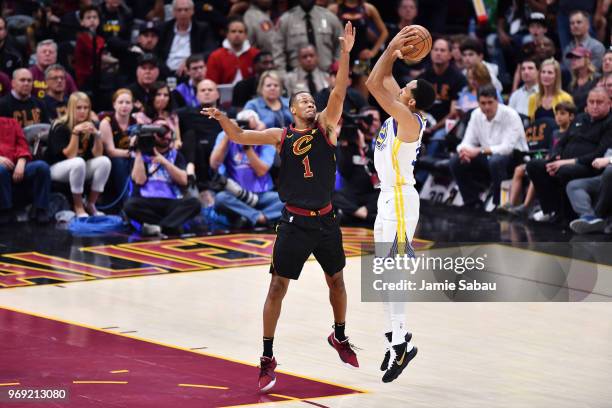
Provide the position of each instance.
(214, 387)
(119, 371)
(286, 397)
(9, 384)
(99, 382)
(291, 399)
(182, 348)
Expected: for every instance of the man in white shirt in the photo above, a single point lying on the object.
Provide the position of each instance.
(493, 133)
(519, 100)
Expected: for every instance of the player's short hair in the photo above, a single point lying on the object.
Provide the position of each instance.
(295, 94)
(566, 106)
(424, 94)
(487, 91)
(472, 44)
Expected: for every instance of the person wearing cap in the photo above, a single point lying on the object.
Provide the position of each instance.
(183, 36)
(234, 60)
(579, 26)
(249, 166)
(116, 25)
(536, 25)
(146, 42)
(354, 100)
(584, 76)
(146, 74)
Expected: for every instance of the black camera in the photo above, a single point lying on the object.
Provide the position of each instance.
(145, 141)
(235, 189)
(351, 124)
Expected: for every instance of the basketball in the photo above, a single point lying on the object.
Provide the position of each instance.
(421, 46)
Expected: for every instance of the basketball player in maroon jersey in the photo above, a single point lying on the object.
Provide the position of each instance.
(308, 225)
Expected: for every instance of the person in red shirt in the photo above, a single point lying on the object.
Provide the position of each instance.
(18, 173)
(87, 56)
(232, 62)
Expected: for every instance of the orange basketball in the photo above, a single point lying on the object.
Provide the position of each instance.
(421, 46)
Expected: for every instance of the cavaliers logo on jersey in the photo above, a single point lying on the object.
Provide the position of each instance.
(302, 145)
(381, 138)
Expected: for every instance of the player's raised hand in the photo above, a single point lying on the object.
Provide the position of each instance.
(398, 43)
(348, 40)
(212, 113)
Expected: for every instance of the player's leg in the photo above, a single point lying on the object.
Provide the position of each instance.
(337, 298)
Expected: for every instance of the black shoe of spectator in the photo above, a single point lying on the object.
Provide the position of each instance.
(6, 216)
(242, 223)
(42, 216)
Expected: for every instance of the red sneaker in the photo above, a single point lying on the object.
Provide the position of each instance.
(345, 351)
(267, 377)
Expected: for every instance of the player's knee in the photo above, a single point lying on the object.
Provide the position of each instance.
(277, 290)
(337, 283)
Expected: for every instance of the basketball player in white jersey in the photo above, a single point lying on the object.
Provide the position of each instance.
(396, 150)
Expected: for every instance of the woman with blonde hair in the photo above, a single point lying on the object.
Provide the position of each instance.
(75, 154)
(542, 103)
(272, 108)
(584, 76)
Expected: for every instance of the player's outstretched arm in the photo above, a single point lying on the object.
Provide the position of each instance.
(381, 83)
(270, 136)
(330, 116)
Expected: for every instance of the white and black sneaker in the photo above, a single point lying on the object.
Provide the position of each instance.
(385, 363)
(402, 357)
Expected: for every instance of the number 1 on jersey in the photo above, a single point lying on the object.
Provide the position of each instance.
(306, 163)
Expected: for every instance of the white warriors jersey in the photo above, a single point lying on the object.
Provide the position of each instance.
(395, 160)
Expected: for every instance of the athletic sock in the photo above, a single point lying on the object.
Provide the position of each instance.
(339, 331)
(267, 343)
(389, 336)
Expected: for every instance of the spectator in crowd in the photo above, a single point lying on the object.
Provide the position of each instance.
(46, 55)
(307, 76)
(185, 93)
(146, 43)
(608, 84)
(592, 212)
(249, 166)
(354, 100)
(246, 89)
(536, 25)
(589, 136)
(260, 28)
(579, 26)
(146, 75)
(584, 76)
(19, 175)
(543, 102)
(199, 133)
(493, 133)
(162, 106)
(76, 154)
(157, 201)
(55, 100)
(519, 99)
(446, 80)
(544, 49)
(472, 53)
(87, 54)
(116, 21)
(114, 130)
(606, 66)
(456, 40)
(564, 116)
(477, 76)
(10, 58)
(565, 11)
(363, 16)
(182, 36)
(407, 12)
(307, 23)
(20, 104)
(355, 154)
(234, 60)
(5, 84)
(537, 32)
(271, 107)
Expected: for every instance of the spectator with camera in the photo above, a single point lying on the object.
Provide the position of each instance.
(493, 133)
(20, 104)
(158, 178)
(55, 100)
(20, 175)
(355, 157)
(75, 154)
(248, 188)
